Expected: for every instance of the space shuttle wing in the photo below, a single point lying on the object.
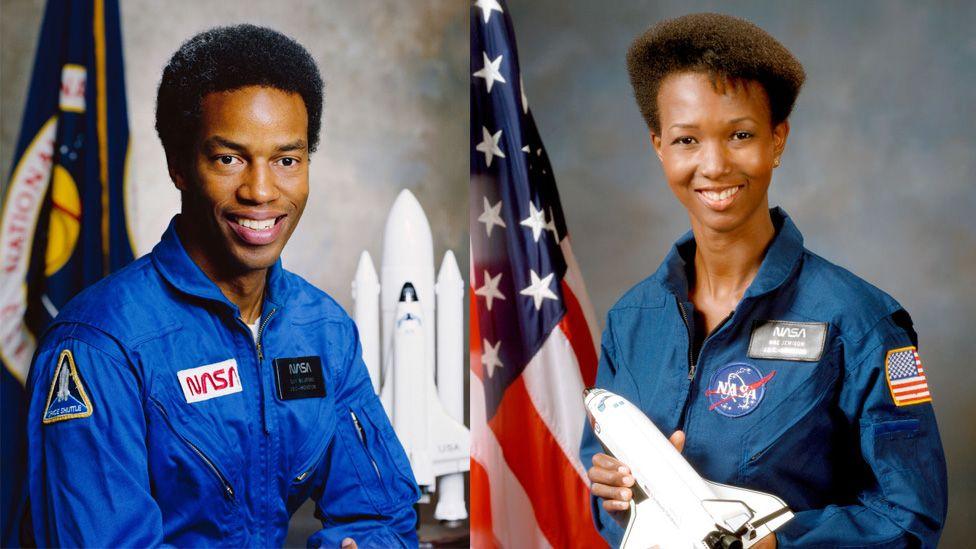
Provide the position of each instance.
(650, 527)
(450, 442)
(741, 508)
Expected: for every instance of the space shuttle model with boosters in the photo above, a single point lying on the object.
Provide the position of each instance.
(400, 306)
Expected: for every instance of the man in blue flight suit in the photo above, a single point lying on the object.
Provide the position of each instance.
(201, 395)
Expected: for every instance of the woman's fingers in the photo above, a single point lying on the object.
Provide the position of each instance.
(615, 506)
(610, 480)
(607, 470)
(611, 492)
(678, 440)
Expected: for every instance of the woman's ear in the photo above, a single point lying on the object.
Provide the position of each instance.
(780, 132)
(656, 143)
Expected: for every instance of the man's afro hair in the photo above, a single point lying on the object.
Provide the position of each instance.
(229, 58)
(719, 45)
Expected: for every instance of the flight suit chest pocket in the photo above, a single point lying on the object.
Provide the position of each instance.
(895, 444)
(193, 483)
(368, 454)
(905, 460)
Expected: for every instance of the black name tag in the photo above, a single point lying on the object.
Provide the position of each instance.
(784, 340)
(299, 377)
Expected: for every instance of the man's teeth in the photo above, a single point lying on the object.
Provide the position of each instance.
(255, 224)
(721, 195)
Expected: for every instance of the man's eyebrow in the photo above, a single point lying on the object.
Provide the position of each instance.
(222, 142)
(218, 141)
(298, 145)
(683, 126)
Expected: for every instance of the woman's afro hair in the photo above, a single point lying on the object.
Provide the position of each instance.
(719, 45)
(229, 58)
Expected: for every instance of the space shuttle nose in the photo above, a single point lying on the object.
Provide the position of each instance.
(408, 294)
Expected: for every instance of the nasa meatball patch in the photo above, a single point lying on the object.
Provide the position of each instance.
(67, 398)
(737, 389)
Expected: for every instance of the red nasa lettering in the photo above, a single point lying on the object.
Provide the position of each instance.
(210, 381)
(220, 379)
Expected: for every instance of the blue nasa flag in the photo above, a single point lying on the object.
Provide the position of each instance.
(63, 224)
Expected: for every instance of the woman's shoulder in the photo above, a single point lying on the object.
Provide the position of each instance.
(832, 293)
(649, 293)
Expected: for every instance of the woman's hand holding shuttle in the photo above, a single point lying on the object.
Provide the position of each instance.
(611, 480)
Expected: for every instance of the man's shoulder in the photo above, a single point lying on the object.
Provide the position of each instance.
(310, 304)
(125, 305)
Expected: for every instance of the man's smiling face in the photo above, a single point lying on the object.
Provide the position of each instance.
(246, 182)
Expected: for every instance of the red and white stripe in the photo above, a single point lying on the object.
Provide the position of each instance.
(911, 389)
(528, 486)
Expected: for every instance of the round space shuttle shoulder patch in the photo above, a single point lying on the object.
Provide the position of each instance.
(66, 399)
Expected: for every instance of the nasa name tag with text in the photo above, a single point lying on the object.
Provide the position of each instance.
(210, 381)
(299, 377)
(785, 340)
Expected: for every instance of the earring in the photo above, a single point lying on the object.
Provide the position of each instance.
(776, 162)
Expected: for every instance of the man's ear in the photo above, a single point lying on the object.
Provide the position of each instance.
(176, 175)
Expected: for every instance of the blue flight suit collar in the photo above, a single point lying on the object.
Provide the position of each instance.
(782, 259)
(178, 268)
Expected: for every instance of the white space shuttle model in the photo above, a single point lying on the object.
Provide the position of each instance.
(429, 425)
(672, 506)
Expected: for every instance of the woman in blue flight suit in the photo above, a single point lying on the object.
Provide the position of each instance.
(775, 369)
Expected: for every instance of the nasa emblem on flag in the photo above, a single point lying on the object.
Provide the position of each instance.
(737, 389)
(67, 398)
(906, 377)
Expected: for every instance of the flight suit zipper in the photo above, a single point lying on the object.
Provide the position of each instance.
(257, 340)
(269, 441)
(362, 439)
(311, 466)
(692, 362)
(228, 489)
(691, 341)
(259, 355)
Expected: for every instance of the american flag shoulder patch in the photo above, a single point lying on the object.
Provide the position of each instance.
(906, 377)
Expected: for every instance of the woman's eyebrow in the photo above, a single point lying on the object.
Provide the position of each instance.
(743, 119)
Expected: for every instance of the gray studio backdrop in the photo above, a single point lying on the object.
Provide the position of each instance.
(396, 116)
(879, 171)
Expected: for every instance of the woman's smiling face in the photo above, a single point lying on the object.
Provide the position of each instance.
(717, 145)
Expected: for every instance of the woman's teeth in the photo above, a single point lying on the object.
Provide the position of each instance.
(256, 224)
(721, 195)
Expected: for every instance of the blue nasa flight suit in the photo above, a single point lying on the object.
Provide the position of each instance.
(822, 433)
(139, 465)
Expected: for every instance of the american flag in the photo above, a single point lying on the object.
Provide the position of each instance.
(533, 338)
(906, 377)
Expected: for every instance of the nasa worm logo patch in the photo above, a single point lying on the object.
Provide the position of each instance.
(737, 389)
